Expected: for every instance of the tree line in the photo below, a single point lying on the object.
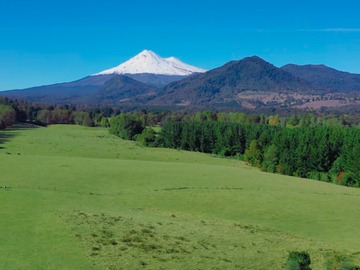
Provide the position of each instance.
(13, 110)
(314, 146)
(301, 146)
(325, 153)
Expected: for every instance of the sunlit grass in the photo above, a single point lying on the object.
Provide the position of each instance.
(80, 198)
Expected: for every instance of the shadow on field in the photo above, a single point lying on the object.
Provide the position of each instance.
(21, 126)
(10, 132)
(5, 136)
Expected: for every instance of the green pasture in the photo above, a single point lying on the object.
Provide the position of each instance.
(80, 198)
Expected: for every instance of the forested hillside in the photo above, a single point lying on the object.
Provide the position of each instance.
(298, 146)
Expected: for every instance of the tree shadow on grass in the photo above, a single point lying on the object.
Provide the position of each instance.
(21, 126)
(11, 132)
(5, 136)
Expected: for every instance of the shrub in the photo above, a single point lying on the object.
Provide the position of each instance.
(147, 137)
(298, 261)
(349, 180)
(126, 126)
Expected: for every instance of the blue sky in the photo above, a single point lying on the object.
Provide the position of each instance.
(50, 41)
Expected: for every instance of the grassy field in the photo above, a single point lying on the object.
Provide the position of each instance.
(80, 198)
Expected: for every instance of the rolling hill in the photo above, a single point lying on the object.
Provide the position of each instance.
(326, 77)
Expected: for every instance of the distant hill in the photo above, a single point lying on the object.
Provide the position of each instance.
(225, 83)
(92, 90)
(122, 89)
(156, 80)
(326, 77)
(71, 92)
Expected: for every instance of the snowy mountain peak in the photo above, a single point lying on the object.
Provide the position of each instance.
(148, 52)
(149, 62)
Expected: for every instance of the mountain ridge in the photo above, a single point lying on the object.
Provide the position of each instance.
(248, 83)
(326, 77)
(224, 83)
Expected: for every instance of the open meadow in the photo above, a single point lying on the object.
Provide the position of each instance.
(80, 198)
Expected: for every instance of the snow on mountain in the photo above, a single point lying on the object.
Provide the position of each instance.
(149, 62)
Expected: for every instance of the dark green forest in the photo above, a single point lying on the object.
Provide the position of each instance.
(303, 146)
(323, 152)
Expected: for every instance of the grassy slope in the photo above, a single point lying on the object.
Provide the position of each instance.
(83, 199)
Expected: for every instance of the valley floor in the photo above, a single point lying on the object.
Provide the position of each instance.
(80, 198)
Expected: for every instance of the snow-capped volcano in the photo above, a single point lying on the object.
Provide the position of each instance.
(148, 62)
